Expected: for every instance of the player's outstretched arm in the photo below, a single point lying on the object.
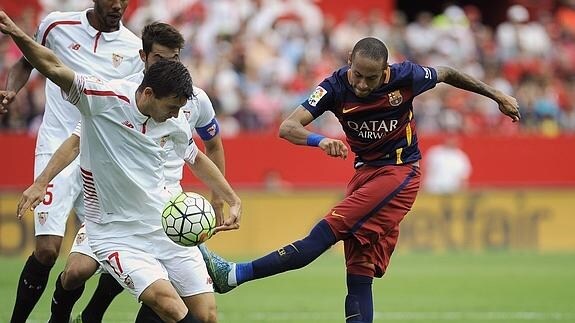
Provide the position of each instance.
(215, 152)
(210, 175)
(293, 130)
(18, 75)
(42, 58)
(64, 155)
(507, 104)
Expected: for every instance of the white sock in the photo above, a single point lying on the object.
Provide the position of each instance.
(232, 281)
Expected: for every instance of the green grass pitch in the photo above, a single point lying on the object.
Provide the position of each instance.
(419, 287)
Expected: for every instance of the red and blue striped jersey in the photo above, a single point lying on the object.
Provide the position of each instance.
(379, 128)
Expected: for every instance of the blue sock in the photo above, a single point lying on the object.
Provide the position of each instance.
(352, 311)
(359, 294)
(290, 257)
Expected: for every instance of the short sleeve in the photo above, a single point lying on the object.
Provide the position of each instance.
(321, 99)
(424, 78)
(93, 96)
(191, 152)
(78, 130)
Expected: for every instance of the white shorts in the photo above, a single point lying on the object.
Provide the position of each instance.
(62, 194)
(138, 261)
(82, 245)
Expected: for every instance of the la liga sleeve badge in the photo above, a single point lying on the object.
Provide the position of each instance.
(316, 96)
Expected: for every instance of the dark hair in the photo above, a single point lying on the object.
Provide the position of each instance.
(162, 34)
(371, 48)
(168, 78)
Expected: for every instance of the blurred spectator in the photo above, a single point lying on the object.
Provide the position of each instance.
(447, 168)
(520, 37)
(257, 57)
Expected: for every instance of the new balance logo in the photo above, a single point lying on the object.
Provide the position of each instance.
(74, 46)
(128, 124)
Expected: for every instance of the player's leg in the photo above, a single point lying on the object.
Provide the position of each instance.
(34, 276)
(49, 225)
(218, 269)
(147, 315)
(389, 194)
(133, 262)
(80, 266)
(163, 299)
(188, 274)
(290, 257)
(106, 291)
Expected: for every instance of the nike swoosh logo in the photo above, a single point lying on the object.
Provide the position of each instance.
(350, 109)
(336, 214)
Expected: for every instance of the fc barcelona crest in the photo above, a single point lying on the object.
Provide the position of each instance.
(395, 98)
(117, 59)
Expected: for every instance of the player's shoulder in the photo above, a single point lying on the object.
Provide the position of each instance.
(135, 78)
(406, 70)
(63, 16)
(128, 36)
(201, 101)
(199, 92)
(336, 81)
(122, 87)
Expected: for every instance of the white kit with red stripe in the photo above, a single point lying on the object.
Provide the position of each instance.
(123, 158)
(108, 55)
(201, 116)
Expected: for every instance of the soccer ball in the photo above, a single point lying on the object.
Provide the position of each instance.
(188, 219)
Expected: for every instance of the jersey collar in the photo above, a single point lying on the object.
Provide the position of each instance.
(137, 114)
(113, 35)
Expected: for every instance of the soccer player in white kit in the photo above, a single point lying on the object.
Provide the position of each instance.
(126, 129)
(159, 41)
(93, 42)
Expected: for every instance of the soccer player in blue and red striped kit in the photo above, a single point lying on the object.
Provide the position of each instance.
(373, 101)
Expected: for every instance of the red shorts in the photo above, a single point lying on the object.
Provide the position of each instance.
(377, 199)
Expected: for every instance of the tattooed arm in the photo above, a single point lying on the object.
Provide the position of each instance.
(507, 104)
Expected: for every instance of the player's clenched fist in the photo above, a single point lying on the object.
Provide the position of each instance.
(508, 105)
(333, 147)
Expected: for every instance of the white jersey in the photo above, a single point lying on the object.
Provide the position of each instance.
(123, 156)
(201, 115)
(110, 55)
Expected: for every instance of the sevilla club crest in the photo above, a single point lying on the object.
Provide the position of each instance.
(117, 59)
(42, 217)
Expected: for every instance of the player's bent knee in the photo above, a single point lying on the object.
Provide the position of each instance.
(79, 269)
(202, 306)
(46, 255)
(47, 249)
(207, 315)
(163, 300)
(74, 277)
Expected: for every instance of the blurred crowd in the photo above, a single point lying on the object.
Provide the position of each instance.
(259, 59)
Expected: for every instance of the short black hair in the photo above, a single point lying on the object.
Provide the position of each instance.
(162, 34)
(372, 48)
(168, 78)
